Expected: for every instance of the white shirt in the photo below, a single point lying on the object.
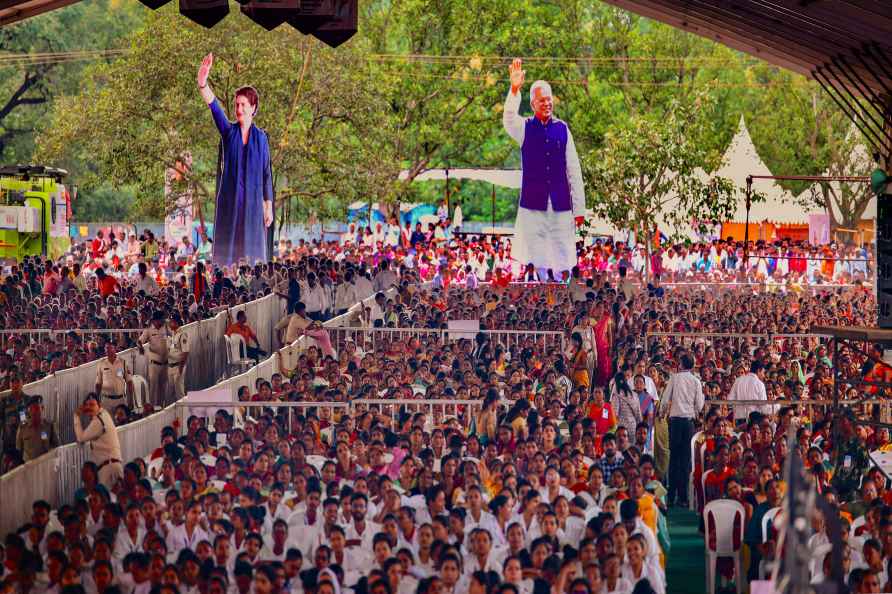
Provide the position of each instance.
(648, 572)
(124, 546)
(366, 538)
(147, 284)
(364, 288)
(178, 539)
(314, 298)
(683, 395)
(748, 387)
(515, 126)
(384, 280)
(472, 564)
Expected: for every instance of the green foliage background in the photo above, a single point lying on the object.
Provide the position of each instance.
(421, 86)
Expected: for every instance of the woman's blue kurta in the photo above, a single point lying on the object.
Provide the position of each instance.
(246, 181)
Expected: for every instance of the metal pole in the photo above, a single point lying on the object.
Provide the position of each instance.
(746, 228)
(447, 193)
(492, 208)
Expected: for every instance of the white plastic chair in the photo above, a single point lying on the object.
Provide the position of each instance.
(703, 483)
(140, 393)
(766, 521)
(766, 566)
(692, 496)
(719, 518)
(816, 565)
(235, 361)
(857, 523)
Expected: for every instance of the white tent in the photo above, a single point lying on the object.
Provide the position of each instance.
(780, 206)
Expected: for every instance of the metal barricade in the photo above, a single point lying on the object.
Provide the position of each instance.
(436, 410)
(246, 411)
(368, 337)
(863, 408)
(736, 339)
(64, 390)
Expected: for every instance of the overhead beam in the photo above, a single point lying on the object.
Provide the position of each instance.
(725, 37)
(10, 16)
(783, 33)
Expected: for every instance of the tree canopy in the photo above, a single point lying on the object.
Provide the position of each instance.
(421, 86)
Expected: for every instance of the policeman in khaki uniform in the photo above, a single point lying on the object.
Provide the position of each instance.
(177, 357)
(112, 379)
(156, 336)
(36, 436)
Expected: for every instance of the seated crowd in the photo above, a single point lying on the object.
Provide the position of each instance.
(74, 306)
(556, 482)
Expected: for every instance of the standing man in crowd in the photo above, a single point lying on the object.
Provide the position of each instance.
(36, 436)
(156, 336)
(102, 435)
(682, 401)
(112, 379)
(145, 282)
(293, 325)
(385, 277)
(314, 298)
(177, 357)
(749, 386)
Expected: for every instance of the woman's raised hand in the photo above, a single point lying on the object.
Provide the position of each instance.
(205, 69)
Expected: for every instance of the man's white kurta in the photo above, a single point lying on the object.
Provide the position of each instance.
(547, 239)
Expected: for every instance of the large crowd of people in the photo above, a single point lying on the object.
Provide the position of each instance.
(561, 478)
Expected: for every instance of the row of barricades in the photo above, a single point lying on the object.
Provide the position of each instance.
(55, 476)
(64, 390)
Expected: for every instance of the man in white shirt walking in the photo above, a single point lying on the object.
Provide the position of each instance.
(749, 386)
(682, 401)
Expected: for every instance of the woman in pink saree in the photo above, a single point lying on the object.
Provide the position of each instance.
(603, 330)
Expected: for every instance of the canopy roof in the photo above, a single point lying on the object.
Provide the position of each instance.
(800, 35)
(845, 45)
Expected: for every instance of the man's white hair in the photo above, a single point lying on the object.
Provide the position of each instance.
(540, 84)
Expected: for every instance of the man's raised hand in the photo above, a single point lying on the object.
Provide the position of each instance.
(205, 69)
(517, 74)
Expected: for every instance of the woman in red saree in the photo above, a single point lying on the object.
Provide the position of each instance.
(603, 327)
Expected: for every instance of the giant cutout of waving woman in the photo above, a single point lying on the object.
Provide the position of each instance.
(245, 184)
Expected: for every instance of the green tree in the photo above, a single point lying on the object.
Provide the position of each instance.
(29, 86)
(649, 176)
(137, 116)
(799, 130)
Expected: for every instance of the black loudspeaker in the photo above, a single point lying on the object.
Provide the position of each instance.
(154, 4)
(311, 15)
(206, 13)
(342, 27)
(269, 14)
(884, 258)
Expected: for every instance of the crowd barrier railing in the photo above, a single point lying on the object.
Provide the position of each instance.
(737, 338)
(436, 410)
(879, 408)
(64, 390)
(371, 337)
(56, 476)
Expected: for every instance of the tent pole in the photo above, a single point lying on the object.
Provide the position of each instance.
(746, 227)
(493, 208)
(448, 215)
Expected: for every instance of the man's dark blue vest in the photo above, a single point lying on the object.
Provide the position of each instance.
(544, 158)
